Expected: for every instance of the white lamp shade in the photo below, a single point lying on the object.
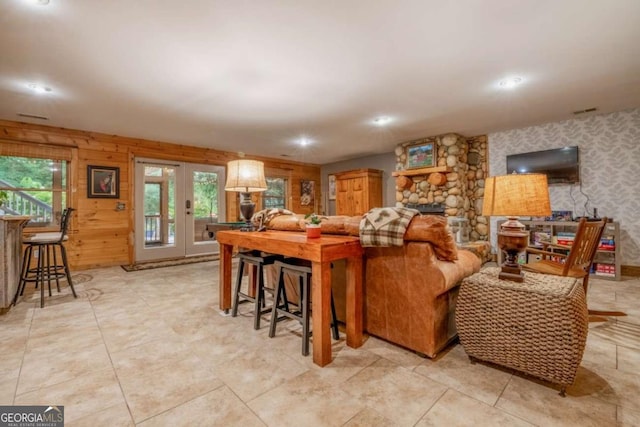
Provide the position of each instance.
(516, 195)
(245, 176)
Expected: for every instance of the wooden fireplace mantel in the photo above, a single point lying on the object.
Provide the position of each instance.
(423, 171)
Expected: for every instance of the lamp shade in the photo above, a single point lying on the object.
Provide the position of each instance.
(516, 195)
(245, 176)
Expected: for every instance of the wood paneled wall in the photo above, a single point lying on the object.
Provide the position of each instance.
(100, 235)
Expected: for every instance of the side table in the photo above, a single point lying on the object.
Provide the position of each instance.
(538, 327)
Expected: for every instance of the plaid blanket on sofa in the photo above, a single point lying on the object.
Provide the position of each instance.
(385, 226)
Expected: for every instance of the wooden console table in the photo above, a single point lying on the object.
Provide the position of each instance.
(320, 252)
(10, 251)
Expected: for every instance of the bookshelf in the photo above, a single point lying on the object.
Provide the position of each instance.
(606, 264)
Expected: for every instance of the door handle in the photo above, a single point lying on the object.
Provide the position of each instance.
(188, 204)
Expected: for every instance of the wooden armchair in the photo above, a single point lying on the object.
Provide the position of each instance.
(577, 262)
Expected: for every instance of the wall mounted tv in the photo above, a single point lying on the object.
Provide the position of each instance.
(560, 164)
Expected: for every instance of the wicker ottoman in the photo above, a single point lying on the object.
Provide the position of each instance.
(538, 327)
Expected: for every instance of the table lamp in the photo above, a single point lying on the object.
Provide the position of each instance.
(512, 196)
(246, 176)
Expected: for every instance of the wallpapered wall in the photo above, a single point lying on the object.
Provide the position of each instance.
(609, 168)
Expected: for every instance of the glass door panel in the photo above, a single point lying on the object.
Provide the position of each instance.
(174, 204)
(157, 225)
(204, 204)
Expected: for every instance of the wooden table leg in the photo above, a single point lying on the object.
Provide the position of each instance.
(354, 302)
(225, 277)
(321, 299)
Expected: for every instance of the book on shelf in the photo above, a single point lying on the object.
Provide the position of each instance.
(602, 269)
(607, 243)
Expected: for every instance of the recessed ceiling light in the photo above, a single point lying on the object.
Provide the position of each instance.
(511, 82)
(38, 88)
(303, 142)
(40, 2)
(381, 121)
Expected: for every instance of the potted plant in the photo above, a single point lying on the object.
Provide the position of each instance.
(313, 225)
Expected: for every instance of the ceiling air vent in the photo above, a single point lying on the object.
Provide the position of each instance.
(32, 116)
(588, 110)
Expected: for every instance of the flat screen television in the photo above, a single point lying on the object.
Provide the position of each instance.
(561, 165)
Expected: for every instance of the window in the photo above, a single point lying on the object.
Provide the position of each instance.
(36, 187)
(276, 194)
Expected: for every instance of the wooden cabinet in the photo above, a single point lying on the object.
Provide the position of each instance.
(357, 191)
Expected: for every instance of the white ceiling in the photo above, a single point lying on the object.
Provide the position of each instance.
(256, 75)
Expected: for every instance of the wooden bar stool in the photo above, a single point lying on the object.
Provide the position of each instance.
(281, 308)
(258, 260)
(48, 268)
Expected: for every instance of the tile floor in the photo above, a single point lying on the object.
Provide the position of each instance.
(150, 348)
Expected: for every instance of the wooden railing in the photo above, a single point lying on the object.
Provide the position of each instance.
(21, 203)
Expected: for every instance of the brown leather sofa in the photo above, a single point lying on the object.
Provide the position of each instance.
(410, 291)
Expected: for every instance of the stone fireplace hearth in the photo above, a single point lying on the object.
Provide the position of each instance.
(456, 180)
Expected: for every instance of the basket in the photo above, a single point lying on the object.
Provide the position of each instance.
(538, 327)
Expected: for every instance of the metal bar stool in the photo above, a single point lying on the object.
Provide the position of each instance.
(45, 270)
(292, 268)
(258, 260)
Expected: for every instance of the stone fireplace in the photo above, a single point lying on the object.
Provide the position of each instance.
(456, 181)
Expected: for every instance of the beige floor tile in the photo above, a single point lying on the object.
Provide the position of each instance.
(628, 417)
(619, 332)
(112, 305)
(57, 299)
(386, 350)
(481, 381)
(152, 391)
(218, 407)
(542, 405)
(13, 339)
(609, 385)
(10, 364)
(254, 373)
(132, 330)
(600, 351)
(7, 390)
(18, 315)
(46, 369)
(113, 416)
(167, 340)
(81, 397)
(628, 360)
(230, 337)
(306, 400)
(347, 363)
(63, 338)
(369, 418)
(393, 391)
(457, 409)
(150, 354)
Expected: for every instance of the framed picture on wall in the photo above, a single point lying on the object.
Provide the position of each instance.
(332, 187)
(307, 193)
(103, 182)
(421, 155)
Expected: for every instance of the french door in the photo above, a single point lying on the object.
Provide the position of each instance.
(174, 201)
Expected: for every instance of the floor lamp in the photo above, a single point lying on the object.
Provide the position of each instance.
(512, 196)
(246, 177)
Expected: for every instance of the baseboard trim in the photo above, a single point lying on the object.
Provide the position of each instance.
(631, 270)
